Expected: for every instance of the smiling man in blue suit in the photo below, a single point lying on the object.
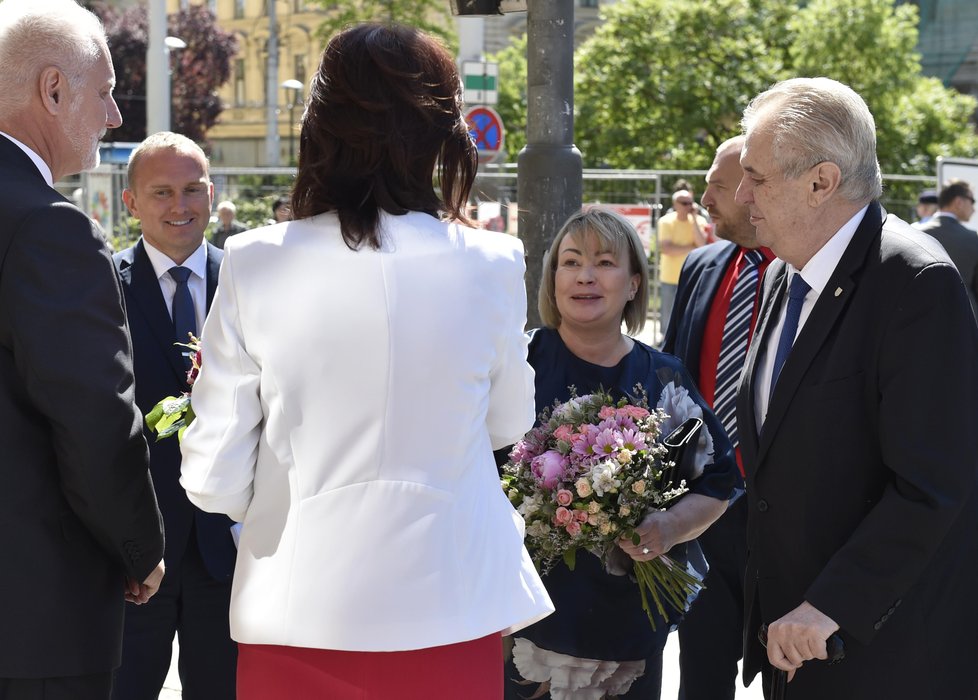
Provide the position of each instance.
(168, 279)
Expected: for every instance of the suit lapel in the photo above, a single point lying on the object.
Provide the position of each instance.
(706, 288)
(831, 302)
(146, 293)
(214, 257)
(773, 291)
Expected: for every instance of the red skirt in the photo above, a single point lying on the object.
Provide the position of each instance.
(471, 670)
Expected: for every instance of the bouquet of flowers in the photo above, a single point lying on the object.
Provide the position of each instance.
(586, 477)
(172, 415)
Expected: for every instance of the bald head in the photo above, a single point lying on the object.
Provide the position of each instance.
(731, 220)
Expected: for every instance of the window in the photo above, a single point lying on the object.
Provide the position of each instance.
(239, 9)
(239, 82)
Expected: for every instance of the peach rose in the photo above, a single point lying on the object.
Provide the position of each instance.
(573, 529)
(563, 516)
(564, 497)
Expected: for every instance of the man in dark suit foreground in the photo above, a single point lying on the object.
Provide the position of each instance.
(169, 278)
(714, 317)
(79, 528)
(956, 203)
(862, 462)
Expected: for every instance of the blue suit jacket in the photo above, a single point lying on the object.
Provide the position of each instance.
(698, 284)
(160, 372)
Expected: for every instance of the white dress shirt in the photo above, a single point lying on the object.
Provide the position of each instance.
(816, 273)
(197, 282)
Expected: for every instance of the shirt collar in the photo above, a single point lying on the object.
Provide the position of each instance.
(36, 159)
(196, 263)
(948, 214)
(821, 266)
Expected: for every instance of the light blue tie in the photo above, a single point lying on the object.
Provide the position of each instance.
(184, 314)
(796, 299)
(733, 346)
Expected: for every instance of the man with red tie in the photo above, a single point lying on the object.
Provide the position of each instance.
(714, 318)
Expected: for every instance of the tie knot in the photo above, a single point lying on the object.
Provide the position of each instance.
(799, 287)
(179, 274)
(752, 258)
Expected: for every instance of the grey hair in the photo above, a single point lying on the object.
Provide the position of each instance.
(616, 232)
(227, 205)
(162, 141)
(817, 120)
(37, 34)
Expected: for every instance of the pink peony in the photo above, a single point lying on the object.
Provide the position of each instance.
(548, 468)
(564, 497)
(563, 516)
(607, 412)
(564, 432)
(573, 529)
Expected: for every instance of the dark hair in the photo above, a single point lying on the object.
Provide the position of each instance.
(385, 107)
(951, 191)
(279, 203)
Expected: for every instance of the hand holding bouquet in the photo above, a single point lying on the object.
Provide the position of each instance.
(174, 414)
(586, 477)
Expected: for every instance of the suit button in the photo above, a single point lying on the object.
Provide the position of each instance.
(877, 626)
(891, 611)
(762, 505)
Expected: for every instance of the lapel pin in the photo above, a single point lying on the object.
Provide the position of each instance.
(838, 291)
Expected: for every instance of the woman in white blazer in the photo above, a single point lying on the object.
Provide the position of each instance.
(360, 365)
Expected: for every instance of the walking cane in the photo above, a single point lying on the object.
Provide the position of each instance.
(834, 646)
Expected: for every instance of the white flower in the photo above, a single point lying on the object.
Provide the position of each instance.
(603, 478)
(175, 405)
(624, 456)
(529, 506)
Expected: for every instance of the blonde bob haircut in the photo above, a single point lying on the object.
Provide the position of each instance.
(617, 233)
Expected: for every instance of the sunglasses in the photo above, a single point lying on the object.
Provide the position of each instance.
(684, 202)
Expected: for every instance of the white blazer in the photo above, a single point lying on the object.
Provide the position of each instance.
(346, 413)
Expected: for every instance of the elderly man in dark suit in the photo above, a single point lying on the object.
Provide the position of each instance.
(857, 415)
(79, 528)
(169, 277)
(956, 204)
(714, 317)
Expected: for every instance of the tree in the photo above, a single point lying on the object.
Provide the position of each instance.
(431, 16)
(198, 70)
(661, 84)
(869, 45)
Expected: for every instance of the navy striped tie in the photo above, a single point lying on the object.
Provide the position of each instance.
(733, 347)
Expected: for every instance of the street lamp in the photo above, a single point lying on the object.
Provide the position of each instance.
(296, 87)
(170, 43)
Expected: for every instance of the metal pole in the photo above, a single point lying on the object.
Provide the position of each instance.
(549, 179)
(292, 129)
(271, 97)
(157, 71)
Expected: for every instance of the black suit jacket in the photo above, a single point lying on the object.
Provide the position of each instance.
(699, 281)
(77, 510)
(961, 244)
(861, 484)
(160, 372)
